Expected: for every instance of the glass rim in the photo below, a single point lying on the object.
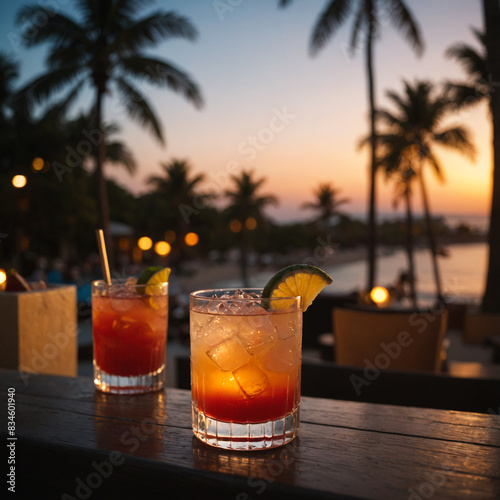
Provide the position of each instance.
(123, 281)
(194, 295)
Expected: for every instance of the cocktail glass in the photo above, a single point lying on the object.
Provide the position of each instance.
(246, 357)
(130, 336)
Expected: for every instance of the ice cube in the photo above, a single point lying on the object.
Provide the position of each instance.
(282, 356)
(218, 329)
(256, 333)
(286, 325)
(251, 379)
(228, 355)
(121, 303)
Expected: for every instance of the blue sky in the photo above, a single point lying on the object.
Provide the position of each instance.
(269, 106)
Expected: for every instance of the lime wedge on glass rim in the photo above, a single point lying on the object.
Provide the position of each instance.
(298, 279)
(152, 276)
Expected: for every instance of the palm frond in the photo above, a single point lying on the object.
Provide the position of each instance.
(60, 108)
(404, 21)
(163, 74)
(457, 138)
(138, 108)
(473, 63)
(361, 18)
(50, 83)
(329, 21)
(117, 153)
(153, 29)
(436, 165)
(284, 3)
(463, 95)
(57, 27)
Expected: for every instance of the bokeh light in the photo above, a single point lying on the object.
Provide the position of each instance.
(3, 279)
(251, 223)
(235, 226)
(191, 239)
(379, 295)
(37, 164)
(145, 243)
(19, 181)
(162, 248)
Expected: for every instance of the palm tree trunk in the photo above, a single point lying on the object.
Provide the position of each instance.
(372, 228)
(409, 246)
(491, 297)
(430, 233)
(104, 219)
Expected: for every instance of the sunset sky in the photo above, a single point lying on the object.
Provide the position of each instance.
(295, 119)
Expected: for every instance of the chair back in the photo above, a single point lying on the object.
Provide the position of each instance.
(396, 340)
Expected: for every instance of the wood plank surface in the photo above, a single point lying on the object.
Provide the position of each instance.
(75, 442)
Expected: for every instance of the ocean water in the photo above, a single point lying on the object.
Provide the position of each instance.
(462, 271)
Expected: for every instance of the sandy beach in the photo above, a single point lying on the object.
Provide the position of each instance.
(209, 274)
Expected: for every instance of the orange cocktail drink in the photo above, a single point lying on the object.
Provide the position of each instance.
(245, 368)
(130, 336)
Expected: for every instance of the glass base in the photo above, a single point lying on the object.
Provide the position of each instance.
(140, 384)
(243, 437)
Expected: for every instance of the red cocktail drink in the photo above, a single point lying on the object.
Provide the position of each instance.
(130, 336)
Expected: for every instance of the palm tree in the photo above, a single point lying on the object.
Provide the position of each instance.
(115, 152)
(396, 160)
(180, 198)
(413, 130)
(483, 69)
(104, 47)
(367, 24)
(327, 202)
(245, 202)
(491, 298)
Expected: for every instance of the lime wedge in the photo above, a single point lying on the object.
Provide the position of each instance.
(153, 276)
(147, 273)
(297, 279)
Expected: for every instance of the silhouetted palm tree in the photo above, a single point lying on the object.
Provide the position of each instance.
(396, 160)
(180, 196)
(327, 202)
(483, 70)
(367, 24)
(245, 202)
(115, 152)
(415, 128)
(103, 46)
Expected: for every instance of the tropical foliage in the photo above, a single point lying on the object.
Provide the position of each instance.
(103, 47)
(366, 29)
(414, 129)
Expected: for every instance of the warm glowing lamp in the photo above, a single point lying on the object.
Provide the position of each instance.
(191, 239)
(145, 243)
(19, 181)
(251, 223)
(37, 164)
(3, 279)
(162, 248)
(380, 296)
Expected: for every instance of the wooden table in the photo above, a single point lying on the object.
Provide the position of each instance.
(74, 442)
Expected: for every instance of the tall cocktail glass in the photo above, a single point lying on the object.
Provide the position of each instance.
(130, 336)
(246, 357)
